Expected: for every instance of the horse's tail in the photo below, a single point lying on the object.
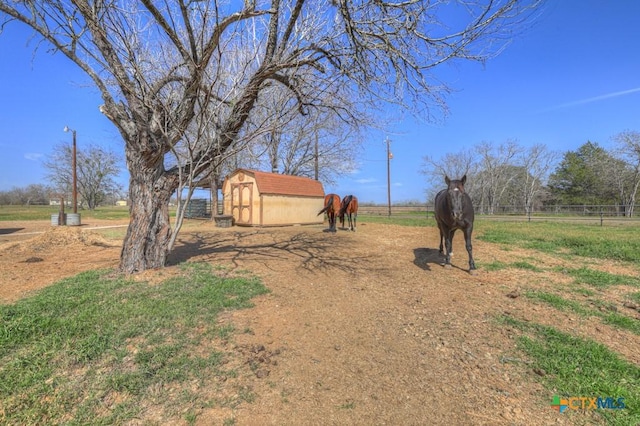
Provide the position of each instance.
(345, 205)
(327, 207)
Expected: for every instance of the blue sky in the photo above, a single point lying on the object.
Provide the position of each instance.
(572, 77)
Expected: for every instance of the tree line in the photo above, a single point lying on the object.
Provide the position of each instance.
(527, 178)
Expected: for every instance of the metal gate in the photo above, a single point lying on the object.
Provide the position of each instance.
(241, 202)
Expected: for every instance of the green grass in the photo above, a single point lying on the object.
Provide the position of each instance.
(526, 266)
(558, 302)
(635, 297)
(616, 243)
(583, 291)
(44, 212)
(599, 279)
(95, 338)
(607, 315)
(497, 265)
(576, 367)
(621, 321)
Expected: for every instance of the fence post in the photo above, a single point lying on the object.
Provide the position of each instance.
(601, 216)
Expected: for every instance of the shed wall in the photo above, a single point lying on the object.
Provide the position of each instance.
(289, 210)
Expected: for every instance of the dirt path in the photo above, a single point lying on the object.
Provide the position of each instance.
(370, 329)
(359, 328)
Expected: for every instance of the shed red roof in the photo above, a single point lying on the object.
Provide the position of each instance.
(276, 184)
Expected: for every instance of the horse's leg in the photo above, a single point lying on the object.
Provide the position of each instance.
(467, 241)
(333, 222)
(355, 216)
(449, 247)
(441, 240)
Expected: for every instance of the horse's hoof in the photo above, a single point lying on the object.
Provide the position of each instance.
(473, 272)
(447, 266)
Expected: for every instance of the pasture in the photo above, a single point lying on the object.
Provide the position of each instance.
(294, 325)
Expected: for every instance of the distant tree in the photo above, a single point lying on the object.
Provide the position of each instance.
(453, 165)
(319, 147)
(31, 194)
(96, 169)
(496, 172)
(507, 174)
(537, 162)
(627, 177)
(582, 178)
(37, 194)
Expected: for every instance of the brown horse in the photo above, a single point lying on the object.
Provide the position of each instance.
(332, 208)
(350, 207)
(454, 210)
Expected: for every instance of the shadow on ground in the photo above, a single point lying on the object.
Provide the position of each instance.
(310, 250)
(6, 231)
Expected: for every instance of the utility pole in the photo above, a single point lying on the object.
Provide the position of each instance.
(75, 176)
(73, 169)
(389, 157)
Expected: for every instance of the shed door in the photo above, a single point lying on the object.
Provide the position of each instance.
(241, 201)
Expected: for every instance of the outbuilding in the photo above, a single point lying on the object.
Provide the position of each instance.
(257, 198)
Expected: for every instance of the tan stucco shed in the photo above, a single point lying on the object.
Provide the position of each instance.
(257, 198)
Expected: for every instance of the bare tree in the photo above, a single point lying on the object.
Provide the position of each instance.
(536, 162)
(318, 146)
(628, 152)
(496, 172)
(97, 169)
(453, 165)
(28, 195)
(153, 62)
(491, 171)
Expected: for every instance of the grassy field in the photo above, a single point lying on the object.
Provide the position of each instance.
(45, 212)
(94, 337)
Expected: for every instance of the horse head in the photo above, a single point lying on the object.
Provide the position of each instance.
(456, 196)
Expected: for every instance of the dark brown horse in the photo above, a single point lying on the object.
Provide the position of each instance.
(454, 210)
(349, 207)
(331, 208)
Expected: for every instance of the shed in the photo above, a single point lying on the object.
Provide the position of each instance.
(257, 198)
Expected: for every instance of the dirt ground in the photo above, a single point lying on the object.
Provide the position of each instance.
(359, 327)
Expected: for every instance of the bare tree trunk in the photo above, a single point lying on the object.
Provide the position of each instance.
(146, 244)
(214, 194)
